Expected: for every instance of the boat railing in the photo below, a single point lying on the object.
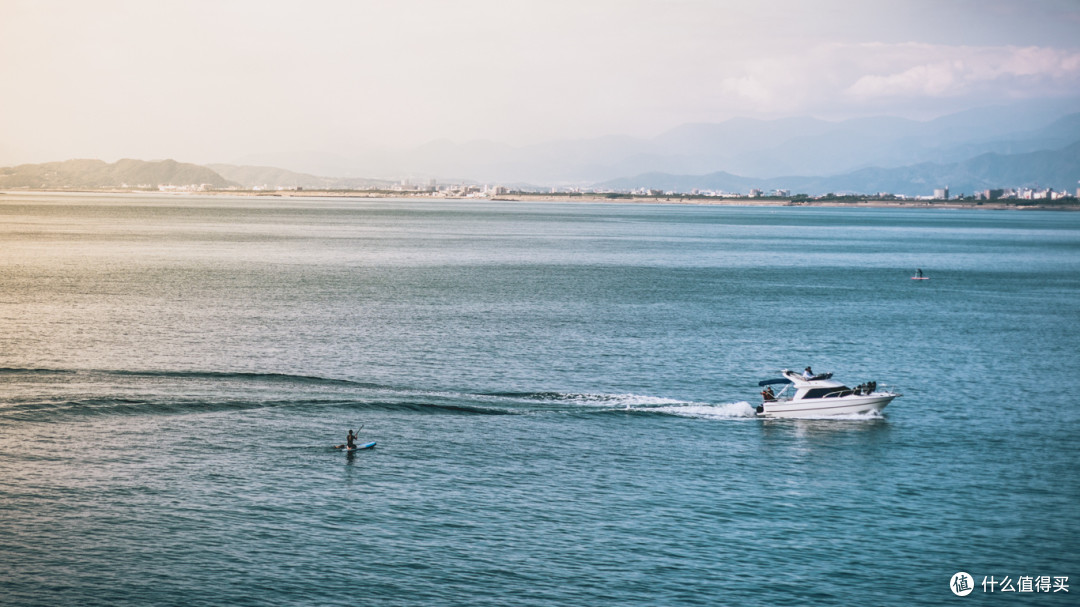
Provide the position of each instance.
(885, 389)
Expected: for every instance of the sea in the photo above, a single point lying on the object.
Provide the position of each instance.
(562, 397)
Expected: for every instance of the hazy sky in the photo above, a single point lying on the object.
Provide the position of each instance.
(215, 81)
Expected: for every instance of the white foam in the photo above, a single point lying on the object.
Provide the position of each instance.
(629, 401)
(657, 404)
(741, 409)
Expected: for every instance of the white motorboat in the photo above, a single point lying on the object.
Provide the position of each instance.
(820, 395)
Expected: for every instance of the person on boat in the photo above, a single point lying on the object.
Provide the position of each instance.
(808, 374)
(768, 394)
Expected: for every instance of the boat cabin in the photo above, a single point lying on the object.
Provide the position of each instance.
(819, 386)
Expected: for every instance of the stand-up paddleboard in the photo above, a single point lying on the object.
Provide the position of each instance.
(356, 448)
(920, 278)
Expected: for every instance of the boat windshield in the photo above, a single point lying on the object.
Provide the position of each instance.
(832, 391)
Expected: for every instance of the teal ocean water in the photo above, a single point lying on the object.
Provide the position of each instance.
(561, 394)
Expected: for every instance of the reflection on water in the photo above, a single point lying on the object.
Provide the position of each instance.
(827, 434)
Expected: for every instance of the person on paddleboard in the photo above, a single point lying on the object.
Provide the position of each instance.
(350, 440)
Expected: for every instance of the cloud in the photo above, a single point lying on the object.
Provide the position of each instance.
(1042, 62)
(907, 78)
(933, 80)
(942, 71)
(749, 88)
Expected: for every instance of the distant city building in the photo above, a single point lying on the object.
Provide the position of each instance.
(755, 193)
(942, 194)
(194, 187)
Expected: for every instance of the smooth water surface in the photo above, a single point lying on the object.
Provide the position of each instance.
(562, 397)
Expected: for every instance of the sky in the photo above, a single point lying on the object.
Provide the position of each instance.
(220, 81)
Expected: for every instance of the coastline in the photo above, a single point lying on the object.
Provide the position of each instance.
(846, 202)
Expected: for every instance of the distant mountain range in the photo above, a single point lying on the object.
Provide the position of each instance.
(998, 147)
(270, 177)
(763, 149)
(99, 174)
(128, 173)
(1059, 169)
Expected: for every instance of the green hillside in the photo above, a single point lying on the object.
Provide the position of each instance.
(92, 174)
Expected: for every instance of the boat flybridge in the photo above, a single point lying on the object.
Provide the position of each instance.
(819, 395)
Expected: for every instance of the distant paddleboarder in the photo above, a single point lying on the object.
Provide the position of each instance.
(350, 440)
(918, 273)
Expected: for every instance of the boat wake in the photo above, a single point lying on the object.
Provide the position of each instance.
(52, 394)
(634, 403)
(739, 410)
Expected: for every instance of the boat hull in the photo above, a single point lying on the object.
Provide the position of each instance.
(824, 407)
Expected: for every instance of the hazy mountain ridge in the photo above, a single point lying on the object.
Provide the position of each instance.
(272, 177)
(89, 173)
(130, 173)
(744, 146)
(1059, 169)
(992, 147)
